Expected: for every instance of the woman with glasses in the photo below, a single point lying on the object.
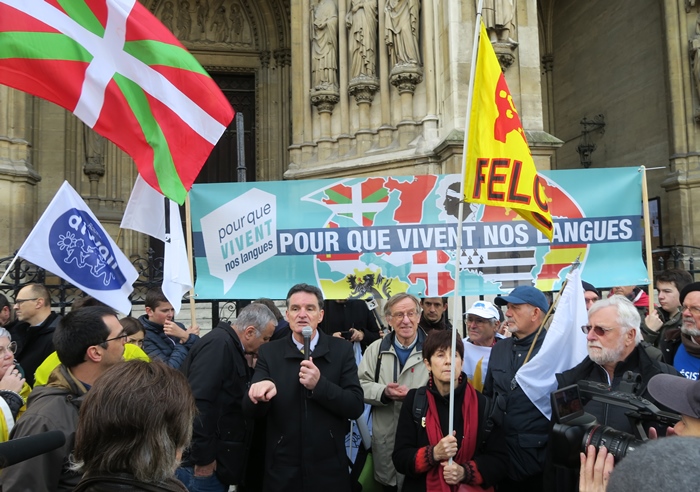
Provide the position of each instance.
(424, 443)
(14, 390)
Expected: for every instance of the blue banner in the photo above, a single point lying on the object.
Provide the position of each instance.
(382, 235)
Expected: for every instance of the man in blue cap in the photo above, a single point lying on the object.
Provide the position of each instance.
(525, 427)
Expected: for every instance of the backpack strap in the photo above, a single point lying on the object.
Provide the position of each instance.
(383, 347)
(420, 405)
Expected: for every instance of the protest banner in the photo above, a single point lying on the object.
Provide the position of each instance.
(382, 235)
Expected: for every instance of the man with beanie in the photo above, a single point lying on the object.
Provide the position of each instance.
(590, 293)
(687, 356)
(525, 427)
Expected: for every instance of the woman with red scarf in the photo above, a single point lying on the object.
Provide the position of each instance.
(424, 443)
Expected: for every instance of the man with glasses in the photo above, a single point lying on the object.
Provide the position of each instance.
(614, 349)
(686, 358)
(88, 342)
(35, 328)
(390, 367)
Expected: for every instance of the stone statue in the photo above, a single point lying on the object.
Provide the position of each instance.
(220, 26)
(402, 19)
(166, 16)
(498, 16)
(184, 21)
(202, 9)
(361, 21)
(695, 59)
(324, 46)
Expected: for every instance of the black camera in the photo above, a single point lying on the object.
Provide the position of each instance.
(574, 429)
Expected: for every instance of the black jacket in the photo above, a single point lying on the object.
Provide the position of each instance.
(491, 457)
(341, 316)
(639, 362)
(306, 430)
(526, 429)
(220, 377)
(34, 344)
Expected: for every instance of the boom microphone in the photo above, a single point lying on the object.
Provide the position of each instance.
(23, 448)
(306, 332)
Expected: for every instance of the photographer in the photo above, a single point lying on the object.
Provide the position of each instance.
(613, 336)
(614, 351)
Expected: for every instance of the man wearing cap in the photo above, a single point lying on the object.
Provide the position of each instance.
(525, 427)
(662, 327)
(687, 357)
(482, 324)
(682, 396)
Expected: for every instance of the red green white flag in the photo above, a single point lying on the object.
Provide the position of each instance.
(124, 74)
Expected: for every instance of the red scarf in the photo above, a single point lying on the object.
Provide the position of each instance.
(435, 481)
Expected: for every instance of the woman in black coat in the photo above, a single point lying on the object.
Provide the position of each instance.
(424, 443)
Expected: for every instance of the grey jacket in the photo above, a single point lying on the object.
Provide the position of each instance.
(51, 407)
(385, 413)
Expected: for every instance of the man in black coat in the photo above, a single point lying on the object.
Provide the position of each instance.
(526, 429)
(219, 375)
(307, 402)
(34, 329)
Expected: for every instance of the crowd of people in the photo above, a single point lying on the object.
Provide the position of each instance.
(265, 402)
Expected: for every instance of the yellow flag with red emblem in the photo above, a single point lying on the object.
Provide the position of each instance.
(500, 170)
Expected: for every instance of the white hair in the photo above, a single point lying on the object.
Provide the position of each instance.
(627, 314)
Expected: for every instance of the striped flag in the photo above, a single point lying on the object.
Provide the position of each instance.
(119, 70)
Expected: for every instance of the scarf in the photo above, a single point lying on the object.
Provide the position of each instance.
(435, 481)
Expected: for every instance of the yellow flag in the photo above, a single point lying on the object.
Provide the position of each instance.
(499, 168)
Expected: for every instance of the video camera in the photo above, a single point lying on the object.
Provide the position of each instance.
(574, 429)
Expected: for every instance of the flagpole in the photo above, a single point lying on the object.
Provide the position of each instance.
(647, 237)
(460, 218)
(8, 269)
(190, 259)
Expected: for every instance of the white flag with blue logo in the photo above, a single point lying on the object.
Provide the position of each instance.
(70, 242)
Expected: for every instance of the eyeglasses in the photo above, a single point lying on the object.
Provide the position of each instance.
(692, 309)
(473, 319)
(400, 316)
(11, 348)
(599, 330)
(20, 301)
(121, 335)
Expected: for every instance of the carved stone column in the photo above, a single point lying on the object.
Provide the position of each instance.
(363, 90)
(405, 78)
(325, 101)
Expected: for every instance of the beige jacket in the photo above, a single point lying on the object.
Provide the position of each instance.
(385, 416)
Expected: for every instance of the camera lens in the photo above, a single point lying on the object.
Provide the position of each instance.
(618, 443)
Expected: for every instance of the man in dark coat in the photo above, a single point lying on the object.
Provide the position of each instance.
(526, 429)
(34, 328)
(219, 376)
(307, 402)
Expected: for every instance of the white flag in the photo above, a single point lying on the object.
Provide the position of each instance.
(70, 242)
(145, 213)
(562, 349)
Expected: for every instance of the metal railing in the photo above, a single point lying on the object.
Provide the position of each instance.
(63, 293)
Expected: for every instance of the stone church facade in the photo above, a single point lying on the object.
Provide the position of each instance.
(331, 88)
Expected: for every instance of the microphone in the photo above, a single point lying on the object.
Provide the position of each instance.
(306, 332)
(24, 448)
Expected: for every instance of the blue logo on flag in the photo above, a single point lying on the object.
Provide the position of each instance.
(81, 248)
